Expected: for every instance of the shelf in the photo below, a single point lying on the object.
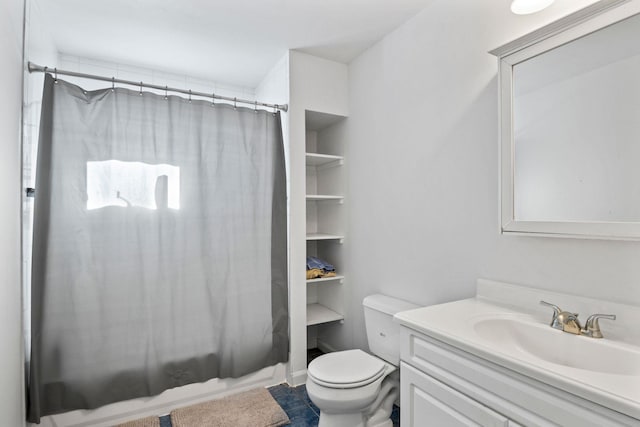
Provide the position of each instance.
(317, 313)
(326, 279)
(321, 197)
(315, 159)
(316, 121)
(323, 236)
(325, 221)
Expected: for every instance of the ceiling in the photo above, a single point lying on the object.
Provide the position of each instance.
(231, 41)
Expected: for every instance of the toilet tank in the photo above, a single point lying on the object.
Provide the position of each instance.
(383, 334)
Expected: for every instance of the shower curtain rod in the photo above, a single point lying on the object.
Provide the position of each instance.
(34, 68)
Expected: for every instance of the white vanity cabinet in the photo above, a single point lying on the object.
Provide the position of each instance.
(444, 386)
(430, 402)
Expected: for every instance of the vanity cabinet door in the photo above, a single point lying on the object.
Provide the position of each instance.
(426, 402)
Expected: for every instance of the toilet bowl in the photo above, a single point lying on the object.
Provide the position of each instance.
(353, 388)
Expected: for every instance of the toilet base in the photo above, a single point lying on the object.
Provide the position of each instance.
(341, 420)
(377, 414)
(352, 420)
(384, 404)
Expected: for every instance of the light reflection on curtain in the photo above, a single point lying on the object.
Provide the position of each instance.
(116, 183)
(138, 285)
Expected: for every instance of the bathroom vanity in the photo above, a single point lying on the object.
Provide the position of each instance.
(493, 360)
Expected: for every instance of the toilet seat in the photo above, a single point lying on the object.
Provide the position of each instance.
(346, 369)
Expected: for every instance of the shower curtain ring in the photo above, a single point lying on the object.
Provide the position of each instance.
(55, 74)
(166, 90)
(140, 88)
(275, 108)
(113, 84)
(189, 96)
(213, 99)
(235, 103)
(255, 107)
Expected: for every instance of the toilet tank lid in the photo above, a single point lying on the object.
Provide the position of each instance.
(387, 304)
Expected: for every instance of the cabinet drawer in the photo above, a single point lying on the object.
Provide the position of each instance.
(426, 401)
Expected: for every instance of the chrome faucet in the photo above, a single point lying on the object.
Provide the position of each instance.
(564, 320)
(592, 327)
(568, 322)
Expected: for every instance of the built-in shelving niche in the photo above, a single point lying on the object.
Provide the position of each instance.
(325, 212)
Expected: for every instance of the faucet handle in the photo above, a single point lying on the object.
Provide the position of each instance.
(592, 327)
(556, 311)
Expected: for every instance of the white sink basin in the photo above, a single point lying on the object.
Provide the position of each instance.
(505, 325)
(513, 335)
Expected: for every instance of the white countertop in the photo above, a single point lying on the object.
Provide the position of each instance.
(456, 323)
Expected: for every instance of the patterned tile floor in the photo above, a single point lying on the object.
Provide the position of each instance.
(299, 408)
(295, 402)
(165, 421)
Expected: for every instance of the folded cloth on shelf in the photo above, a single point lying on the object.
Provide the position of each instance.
(317, 268)
(314, 273)
(313, 262)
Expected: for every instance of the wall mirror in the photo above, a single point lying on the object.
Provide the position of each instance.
(570, 126)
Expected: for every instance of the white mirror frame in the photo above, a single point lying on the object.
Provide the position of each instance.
(571, 27)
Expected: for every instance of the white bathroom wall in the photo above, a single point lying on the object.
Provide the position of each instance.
(318, 85)
(39, 49)
(157, 76)
(423, 170)
(11, 352)
(274, 87)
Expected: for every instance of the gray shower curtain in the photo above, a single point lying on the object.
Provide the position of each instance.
(159, 252)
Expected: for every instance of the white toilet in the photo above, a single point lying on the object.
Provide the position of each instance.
(353, 388)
